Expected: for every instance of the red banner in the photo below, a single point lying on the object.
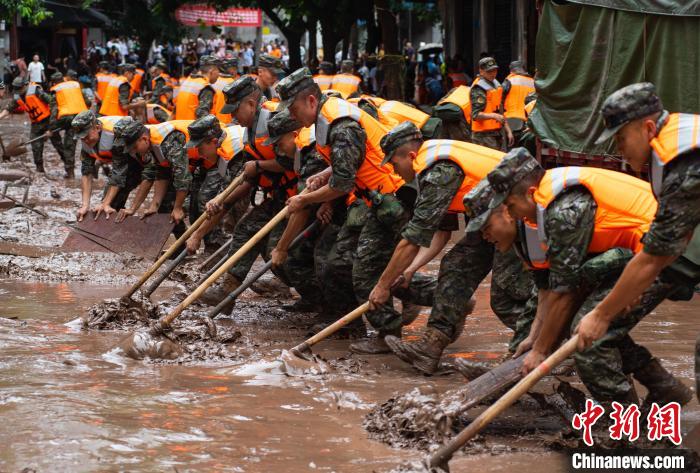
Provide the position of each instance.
(195, 15)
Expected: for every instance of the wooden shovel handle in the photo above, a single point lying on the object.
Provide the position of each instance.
(183, 238)
(331, 329)
(445, 453)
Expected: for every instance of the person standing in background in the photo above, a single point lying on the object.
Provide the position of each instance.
(36, 71)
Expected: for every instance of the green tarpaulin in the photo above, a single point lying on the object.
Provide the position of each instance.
(656, 7)
(584, 53)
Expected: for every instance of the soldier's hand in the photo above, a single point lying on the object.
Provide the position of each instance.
(149, 211)
(250, 169)
(325, 213)
(103, 208)
(177, 215)
(499, 118)
(407, 278)
(49, 133)
(214, 207)
(193, 244)
(123, 213)
(314, 183)
(296, 203)
(511, 138)
(532, 360)
(278, 257)
(82, 212)
(523, 346)
(378, 297)
(592, 327)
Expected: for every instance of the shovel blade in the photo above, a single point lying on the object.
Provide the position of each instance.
(144, 344)
(295, 365)
(15, 149)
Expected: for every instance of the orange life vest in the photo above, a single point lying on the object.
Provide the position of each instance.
(474, 160)
(103, 81)
(530, 107)
(188, 97)
(459, 96)
(220, 99)
(137, 81)
(346, 84)
(626, 207)
(520, 87)
(150, 113)
(168, 80)
(37, 109)
(494, 95)
(324, 81)
(371, 176)
(110, 102)
(232, 144)
(305, 137)
(458, 78)
(103, 153)
(161, 131)
(398, 112)
(69, 98)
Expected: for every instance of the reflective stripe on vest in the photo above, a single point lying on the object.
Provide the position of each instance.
(494, 95)
(399, 112)
(188, 98)
(161, 131)
(103, 81)
(36, 108)
(626, 205)
(103, 153)
(69, 98)
(535, 252)
(220, 99)
(474, 160)
(371, 175)
(232, 144)
(150, 113)
(520, 87)
(461, 98)
(110, 102)
(324, 81)
(346, 84)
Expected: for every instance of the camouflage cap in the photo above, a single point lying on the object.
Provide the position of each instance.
(347, 65)
(237, 91)
(205, 61)
(326, 67)
(279, 125)
(332, 93)
(517, 66)
(290, 86)
(128, 67)
(271, 62)
(18, 82)
(488, 64)
(160, 65)
(56, 77)
(514, 166)
(103, 65)
(628, 104)
(202, 129)
(229, 62)
(398, 136)
(477, 205)
(83, 122)
(127, 131)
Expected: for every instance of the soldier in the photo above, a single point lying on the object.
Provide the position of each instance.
(102, 79)
(117, 100)
(668, 142)
(270, 69)
(446, 170)
(572, 215)
(516, 87)
(68, 100)
(159, 79)
(97, 136)
(161, 150)
(229, 66)
(347, 83)
(348, 138)
(485, 96)
(35, 102)
(324, 78)
(454, 109)
(196, 96)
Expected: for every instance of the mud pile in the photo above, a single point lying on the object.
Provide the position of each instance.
(122, 314)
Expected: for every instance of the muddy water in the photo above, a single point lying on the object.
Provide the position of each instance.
(68, 404)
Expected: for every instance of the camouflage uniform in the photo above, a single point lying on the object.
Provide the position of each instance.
(275, 66)
(64, 123)
(206, 95)
(477, 96)
(39, 128)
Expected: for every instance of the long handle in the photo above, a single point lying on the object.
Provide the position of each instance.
(254, 277)
(215, 255)
(233, 259)
(183, 238)
(166, 272)
(331, 329)
(40, 137)
(445, 453)
(218, 264)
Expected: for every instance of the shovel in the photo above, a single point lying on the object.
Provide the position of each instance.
(249, 282)
(183, 238)
(19, 148)
(166, 272)
(440, 459)
(216, 256)
(152, 343)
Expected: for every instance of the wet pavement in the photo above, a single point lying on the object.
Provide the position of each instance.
(70, 402)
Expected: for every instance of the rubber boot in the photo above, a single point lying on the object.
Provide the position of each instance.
(375, 345)
(70, 173)
(424, 355)
(215, 294)
(663, 386)
(40, 168)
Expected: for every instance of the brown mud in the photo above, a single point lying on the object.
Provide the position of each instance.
(71, 402)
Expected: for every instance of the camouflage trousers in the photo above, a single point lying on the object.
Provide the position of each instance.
(513, 295)
(375, 247)
(38, 129)
(133, 179)
(69, 141)
(491, 139)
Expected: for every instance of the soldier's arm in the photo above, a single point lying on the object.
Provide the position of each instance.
(175, 152)
(206, 100)
(477, 97)
(53, 107)
(124, 93)
(86, 98)
(11, 107)
(159, 84)
(88, 170)
(161, 115)
(506, 90)
(120, 168)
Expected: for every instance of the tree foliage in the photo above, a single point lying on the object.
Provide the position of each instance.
(32, 11)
